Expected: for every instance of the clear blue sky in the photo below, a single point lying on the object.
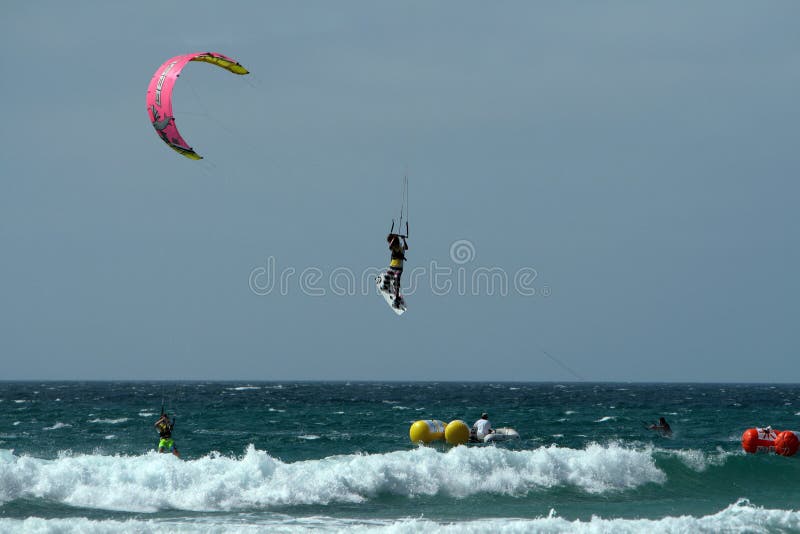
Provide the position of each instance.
(641, 157)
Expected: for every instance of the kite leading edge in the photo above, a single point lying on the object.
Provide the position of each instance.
(159, 96)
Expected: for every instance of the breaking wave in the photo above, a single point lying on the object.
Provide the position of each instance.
(152, 482)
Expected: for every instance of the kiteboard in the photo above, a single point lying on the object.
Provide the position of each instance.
(398, 306)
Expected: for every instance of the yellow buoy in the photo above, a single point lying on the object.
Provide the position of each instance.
(456, 432)
(426, 431)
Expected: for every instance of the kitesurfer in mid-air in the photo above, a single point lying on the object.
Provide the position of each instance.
(395, 270)
(662, 427)
(482, 427)
(164, 427)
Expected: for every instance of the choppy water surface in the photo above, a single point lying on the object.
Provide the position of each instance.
(336, 456)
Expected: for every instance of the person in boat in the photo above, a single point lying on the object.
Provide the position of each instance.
(165, 442)
(482, 427)
(395, 270)
(662, 427)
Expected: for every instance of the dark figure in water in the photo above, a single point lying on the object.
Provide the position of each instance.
(662, 427)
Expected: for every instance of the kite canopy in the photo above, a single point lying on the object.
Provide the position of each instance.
(159, 96)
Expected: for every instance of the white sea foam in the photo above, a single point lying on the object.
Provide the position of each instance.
(738, 517)
(699, 460)
(243, 388)
(109, 421)
(606, 418)
(57, 426)
(151, 482)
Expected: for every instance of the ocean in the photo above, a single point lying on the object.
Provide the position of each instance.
(328, 457)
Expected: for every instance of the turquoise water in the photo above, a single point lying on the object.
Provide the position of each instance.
(335, 456)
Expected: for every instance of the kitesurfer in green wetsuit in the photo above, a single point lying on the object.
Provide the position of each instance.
(396, 264)
(164, 427)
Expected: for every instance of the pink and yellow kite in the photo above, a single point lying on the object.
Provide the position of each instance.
(159, 96)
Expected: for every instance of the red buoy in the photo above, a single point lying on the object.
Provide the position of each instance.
(759, 440)
(787, 443)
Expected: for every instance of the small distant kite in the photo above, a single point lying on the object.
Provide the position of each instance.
(159, 96)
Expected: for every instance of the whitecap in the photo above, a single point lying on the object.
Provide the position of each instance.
(109, 421)
(606, 418)
(698, 460)
(57, 426)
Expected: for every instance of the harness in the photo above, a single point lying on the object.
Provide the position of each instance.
(165, 430)
(398, 257)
